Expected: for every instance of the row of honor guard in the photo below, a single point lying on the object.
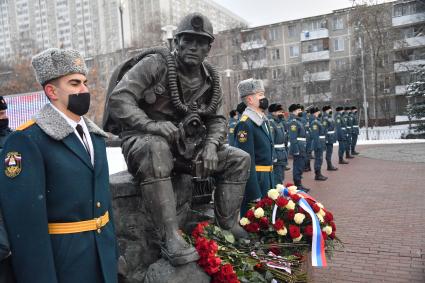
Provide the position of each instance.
(305, 132)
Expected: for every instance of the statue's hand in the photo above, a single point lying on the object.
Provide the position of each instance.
(165, 129)
(210, 158)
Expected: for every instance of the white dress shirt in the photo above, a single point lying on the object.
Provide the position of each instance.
(74, 124)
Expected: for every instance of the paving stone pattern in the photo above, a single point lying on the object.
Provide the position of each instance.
(379, 207)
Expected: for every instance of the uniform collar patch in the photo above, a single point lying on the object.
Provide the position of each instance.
(12, 164)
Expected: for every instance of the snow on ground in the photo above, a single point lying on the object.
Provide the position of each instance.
(117, 163)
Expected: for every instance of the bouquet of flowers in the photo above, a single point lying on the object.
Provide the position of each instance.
(228, 261)
(288, 215)
(283, 228)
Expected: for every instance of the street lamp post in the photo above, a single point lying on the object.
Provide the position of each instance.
(365, 104)
(228, 73)
(366, 121)
(121, 9)
(169, 34)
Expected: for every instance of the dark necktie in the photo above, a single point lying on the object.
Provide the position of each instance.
(83, 138)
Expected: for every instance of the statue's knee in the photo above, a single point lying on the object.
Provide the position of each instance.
(155, 159)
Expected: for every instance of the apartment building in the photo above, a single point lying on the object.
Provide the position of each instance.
(317, 60)
(96, 26)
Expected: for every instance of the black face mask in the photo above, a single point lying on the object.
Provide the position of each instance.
(300, 114)
(281, 116)
(79, 103)
(330, 112)
(320, 115)
(4, 123)
(263, 103)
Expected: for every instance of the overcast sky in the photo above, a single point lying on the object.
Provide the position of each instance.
(263, 12)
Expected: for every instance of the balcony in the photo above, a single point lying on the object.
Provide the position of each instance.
(410, 42)
(318, 97)
(315, 56)
(408, 19)
(317, 77)
(255, 64)
(314, 34)
(255, 44)
(408, 66)
(400, 89)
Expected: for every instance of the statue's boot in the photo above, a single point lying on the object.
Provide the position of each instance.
(158, 197)
(227, 205)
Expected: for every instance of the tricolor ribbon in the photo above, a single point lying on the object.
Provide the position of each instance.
(318, 257)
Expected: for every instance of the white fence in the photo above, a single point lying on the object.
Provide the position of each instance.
(383, 134)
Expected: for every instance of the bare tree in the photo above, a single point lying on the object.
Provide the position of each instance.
(372, 22)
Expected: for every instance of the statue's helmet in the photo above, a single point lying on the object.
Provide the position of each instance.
(195, 23)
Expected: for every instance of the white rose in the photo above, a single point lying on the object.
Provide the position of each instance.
(320, 205)
(327, 230)
(322, 212)
(283, 231)
(280, 187)
(290, 205)
(244, 221)
(299, 218)
(273, 194)
(292, 189)
(259, 212)
(320, 217)
(297, 239)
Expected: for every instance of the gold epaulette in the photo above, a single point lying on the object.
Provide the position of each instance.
(25, 125)
(244, 118)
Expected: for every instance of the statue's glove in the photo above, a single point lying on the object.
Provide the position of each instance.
(210, 159)
(165, 129)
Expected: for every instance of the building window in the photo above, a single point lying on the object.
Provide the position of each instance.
(274, 34)
(275, 54)
(235, 60)
(276, 74)
(338, 23)
(296, 91)
(339, 44)
(292, 31)
(315, 25)
(294, 51)
(340, 64)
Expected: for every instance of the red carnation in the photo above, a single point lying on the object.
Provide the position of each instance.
(324, 235)
(225, 275)
(316, 208)
(213, 265)
(279, 224)
(288, 185)
(264, 223)
(267, 201)
(333, 226)
(250, 215)
(332, 235)
(281, 201)
(291, 214)
(199, 229)
(295, 197)
(294, 231)
(252, 227)
(328, 217)
(308, 230)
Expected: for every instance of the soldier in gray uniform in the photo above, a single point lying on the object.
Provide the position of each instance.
(167, 108)
(355, 132)
(329, 125)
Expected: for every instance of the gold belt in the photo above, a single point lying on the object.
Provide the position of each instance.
(79, 226)
(264, 168)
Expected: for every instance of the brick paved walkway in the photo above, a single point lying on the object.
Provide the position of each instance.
(379, 207)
